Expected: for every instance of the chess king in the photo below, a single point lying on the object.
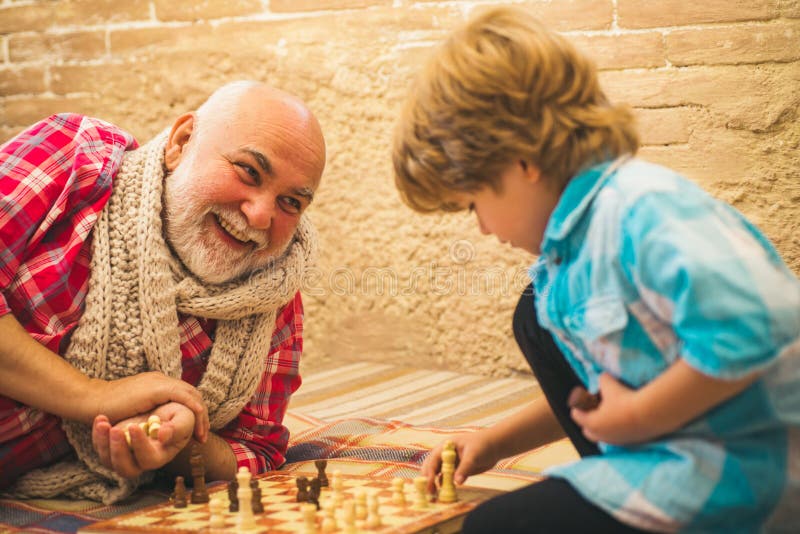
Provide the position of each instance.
(159, 280)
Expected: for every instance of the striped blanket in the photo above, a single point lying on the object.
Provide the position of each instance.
(367, 419)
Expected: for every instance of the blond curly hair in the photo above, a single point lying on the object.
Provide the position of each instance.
(503, 88)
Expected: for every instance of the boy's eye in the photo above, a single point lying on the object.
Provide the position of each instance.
(471, 207)
(291, 204)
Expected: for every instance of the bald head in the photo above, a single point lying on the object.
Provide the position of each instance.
(244, 167)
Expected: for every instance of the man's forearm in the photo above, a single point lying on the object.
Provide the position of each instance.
(220, 462)
(36, 376)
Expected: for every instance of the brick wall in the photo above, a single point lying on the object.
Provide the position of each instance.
(715, 84)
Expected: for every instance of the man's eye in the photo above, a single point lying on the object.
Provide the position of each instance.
(252, 173)
(292, 205)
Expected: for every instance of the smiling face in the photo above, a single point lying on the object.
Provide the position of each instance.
(244, 168)
(517, 211)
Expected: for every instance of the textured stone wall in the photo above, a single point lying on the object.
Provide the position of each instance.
(715, 84)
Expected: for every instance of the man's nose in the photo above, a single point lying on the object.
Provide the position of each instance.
(259, 211)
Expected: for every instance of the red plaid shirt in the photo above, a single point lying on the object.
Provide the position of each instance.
(55, 179)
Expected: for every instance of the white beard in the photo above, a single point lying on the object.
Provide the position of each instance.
(201, 251)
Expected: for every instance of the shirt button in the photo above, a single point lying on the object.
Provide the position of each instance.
(556, 259)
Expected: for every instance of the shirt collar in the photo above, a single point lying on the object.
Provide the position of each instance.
(576, 199)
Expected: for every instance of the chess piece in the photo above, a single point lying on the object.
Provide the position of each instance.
(302, 489)
(309, 512)
(349, 516)
(374, 517)
(338, 488)
(361, 505)
(245, 521)
(447, 493)
(199, 491)
(233, 485)
(217, 518)
(255, 490)
(323, 478)
(421, 485)
(329, 522)
(179, 496)
(398, 493)
(313, 492)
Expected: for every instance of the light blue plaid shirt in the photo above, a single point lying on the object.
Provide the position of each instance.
(640, 267)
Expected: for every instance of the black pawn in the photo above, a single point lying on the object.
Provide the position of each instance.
(323, 478)
(314, 491)
(258, 506)
(302, 489)
(233, 487)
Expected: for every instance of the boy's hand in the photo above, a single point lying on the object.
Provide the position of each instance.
(144, 392)
(614, 420)
(474, 454)
(144, 453)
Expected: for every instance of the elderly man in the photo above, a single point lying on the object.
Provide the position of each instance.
(155, 280)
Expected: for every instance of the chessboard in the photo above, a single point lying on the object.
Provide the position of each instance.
(283, 514)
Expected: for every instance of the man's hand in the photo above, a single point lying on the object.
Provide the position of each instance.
(144, 453)
(142, 393)
(474, 452)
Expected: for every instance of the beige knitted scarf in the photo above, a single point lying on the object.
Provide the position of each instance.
(130, 324)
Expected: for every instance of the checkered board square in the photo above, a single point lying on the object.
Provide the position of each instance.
(282, 512)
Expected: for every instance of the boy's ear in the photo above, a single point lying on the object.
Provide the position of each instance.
(532, 172)
(176, 142)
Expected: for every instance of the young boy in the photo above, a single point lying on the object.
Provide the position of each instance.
(664, 302)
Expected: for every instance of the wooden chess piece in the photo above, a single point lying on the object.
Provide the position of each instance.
(216, 518)
(233, 485)
(398, 493)
(199, 491)
(179, 496)
(246, 521)
(323, 478)
(302, 489)
(258, 506)
(309, 513)
(421, 485)
(374, 516)
(447, 493)
(313, 492)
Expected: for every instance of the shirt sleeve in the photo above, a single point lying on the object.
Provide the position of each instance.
(709, 273)
(257, 435)
(50, 174)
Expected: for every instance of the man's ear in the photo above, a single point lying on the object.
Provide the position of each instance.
(176, 142)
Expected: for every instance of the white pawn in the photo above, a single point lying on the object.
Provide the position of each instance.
(337, 483)
(374, 518)
(349, 512)
(329, 521)
(361, 505)
(309, 511)
(217, 519)
(421, 485)
(398, 493)
(246, 519)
